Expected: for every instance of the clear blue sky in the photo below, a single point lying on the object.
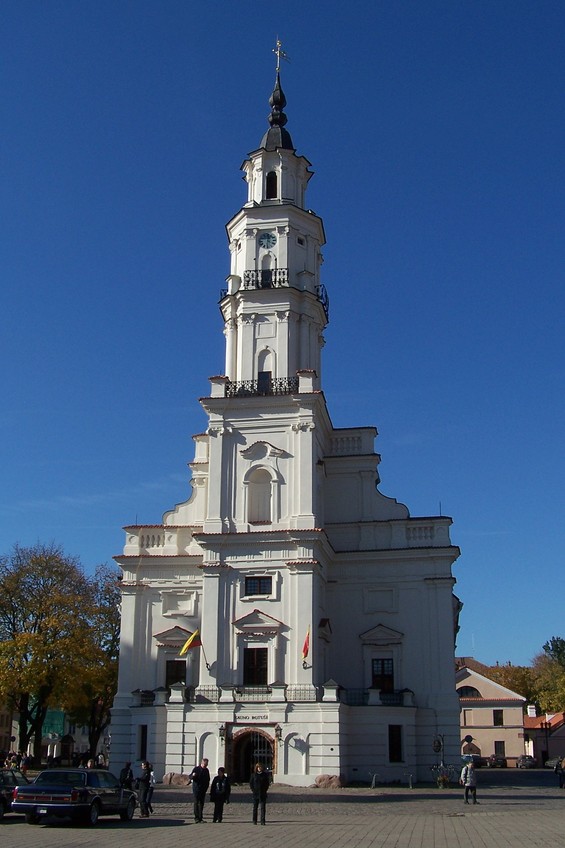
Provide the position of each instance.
(436, 131)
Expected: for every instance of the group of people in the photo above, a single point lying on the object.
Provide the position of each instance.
(144, 785)
(221, 788)
(199, 779)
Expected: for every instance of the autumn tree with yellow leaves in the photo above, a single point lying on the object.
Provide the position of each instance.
(59, 631)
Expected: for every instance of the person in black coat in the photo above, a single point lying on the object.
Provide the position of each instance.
(126, 776)
(200, 779)
(259, 785)
(220, 793)
(144, 784)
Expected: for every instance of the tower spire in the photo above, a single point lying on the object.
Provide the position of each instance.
(276, 136)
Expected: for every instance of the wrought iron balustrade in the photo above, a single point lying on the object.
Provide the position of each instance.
(322, 295)
(276, 278)
(203, 694)
(253, 694)
(268, 278)
(302, 693)
(360, 698)
(274, 386)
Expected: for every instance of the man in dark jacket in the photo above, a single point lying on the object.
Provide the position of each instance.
(200, 779)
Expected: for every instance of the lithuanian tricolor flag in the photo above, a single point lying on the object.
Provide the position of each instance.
(193, 641)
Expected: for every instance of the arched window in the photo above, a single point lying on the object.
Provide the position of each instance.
(272, 186)
(468, 692)
(259, 502)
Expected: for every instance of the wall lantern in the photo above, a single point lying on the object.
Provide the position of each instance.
(278, 733)
(222, 733)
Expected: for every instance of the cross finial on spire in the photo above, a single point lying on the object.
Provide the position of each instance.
(280, 54)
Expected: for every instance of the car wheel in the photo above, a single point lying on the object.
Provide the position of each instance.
(93, 814)
(31, 818)
(127, 814)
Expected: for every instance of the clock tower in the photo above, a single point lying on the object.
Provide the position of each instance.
(275, 307)
(287, 612)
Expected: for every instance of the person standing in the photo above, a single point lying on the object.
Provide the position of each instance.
(151, 787)
(220, 793)
(259, 785)
(200, 779)
(469, 781)
(144, 785)
(126, 776)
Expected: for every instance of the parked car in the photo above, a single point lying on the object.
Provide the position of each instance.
(9, 779)
(81, 794)
(525, 761)
(553, 762)
(495, 761)
(476, 758)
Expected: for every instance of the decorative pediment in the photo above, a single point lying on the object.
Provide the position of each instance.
(381, 636)
(257, 622)
(175, 637)
(259, 450)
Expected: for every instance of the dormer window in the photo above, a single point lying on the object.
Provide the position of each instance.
(272, 186)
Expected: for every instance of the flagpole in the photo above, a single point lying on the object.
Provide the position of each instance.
(205, 659)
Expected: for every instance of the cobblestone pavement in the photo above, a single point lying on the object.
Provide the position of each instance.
(511, 815)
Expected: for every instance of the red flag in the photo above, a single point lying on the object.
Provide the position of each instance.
(306, 645)
(193, 641)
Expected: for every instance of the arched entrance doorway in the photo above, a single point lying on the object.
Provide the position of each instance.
(250, 747)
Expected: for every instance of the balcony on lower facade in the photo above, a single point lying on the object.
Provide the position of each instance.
(376, 697)
(280, 692)
(266, 386)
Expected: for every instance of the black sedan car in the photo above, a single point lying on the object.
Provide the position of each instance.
(9, 779)
(81, 794)
(495, 761)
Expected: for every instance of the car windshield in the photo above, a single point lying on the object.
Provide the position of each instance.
(61, 778)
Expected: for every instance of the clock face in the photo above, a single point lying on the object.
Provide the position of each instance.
(267, 240)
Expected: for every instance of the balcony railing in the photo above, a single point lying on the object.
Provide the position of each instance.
(270, 278)
(281, 692)
(276, 278)
(272, 386)
(360, 698)
(252, 694)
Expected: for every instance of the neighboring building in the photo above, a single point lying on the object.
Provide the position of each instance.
(326, 612)
(62, 739)
(490, 713)
(544, 735)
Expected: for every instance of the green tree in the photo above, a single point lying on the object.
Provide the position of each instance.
(549, 671)
(555, 650)
(89, 704)
(47, 606)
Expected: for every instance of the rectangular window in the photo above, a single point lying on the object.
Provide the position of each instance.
(258, 585)
(175, 672)
(255, 667)
(383, 675)
(500, 748)
(395, 743)
(498, 718)
(467, 718)
(142, 742)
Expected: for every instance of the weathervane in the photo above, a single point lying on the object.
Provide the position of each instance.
(280, 54)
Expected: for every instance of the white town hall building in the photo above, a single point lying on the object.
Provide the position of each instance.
(326, 613)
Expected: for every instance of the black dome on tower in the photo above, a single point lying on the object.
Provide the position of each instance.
(276, 136)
